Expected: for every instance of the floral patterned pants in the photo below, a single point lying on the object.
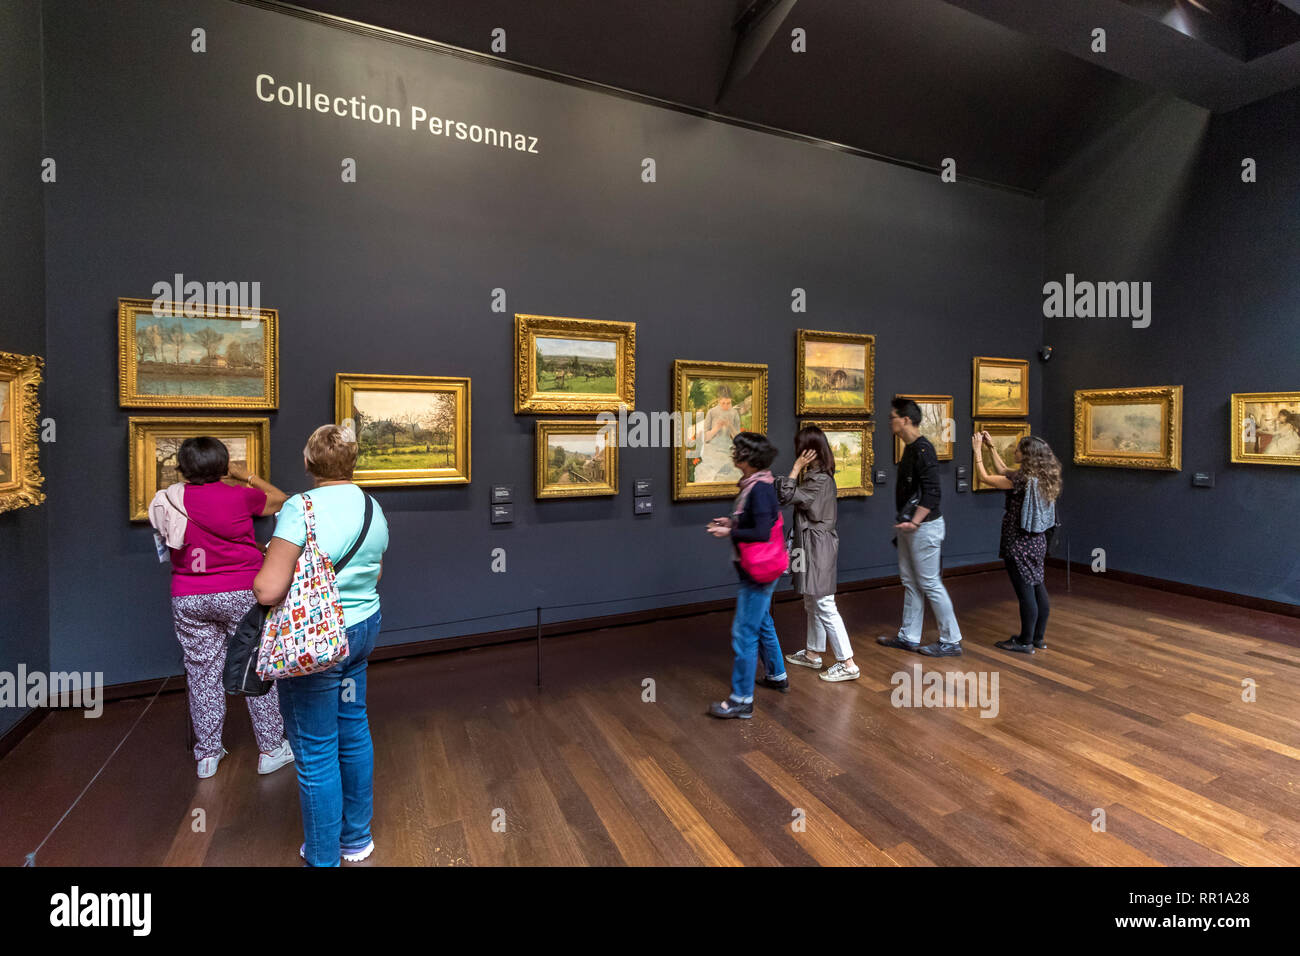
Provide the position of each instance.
(204, 625)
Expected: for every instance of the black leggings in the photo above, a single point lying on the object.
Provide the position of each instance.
(1034, 605)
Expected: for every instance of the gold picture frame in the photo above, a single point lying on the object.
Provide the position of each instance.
(20, 412)
(825, 361)
(584, 351)
(214, 352)
(996, 430)
(1268, 421)
(934, 423)
(702, 467)
(988, 377)
(581, 473)
(863, 486)
(149, 473)
(435, 410)
(1099, 419)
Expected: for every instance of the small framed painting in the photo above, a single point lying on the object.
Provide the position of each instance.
(20, 412)
(1266, 428)
(576, 460)
(574, 365)
(1129, 427)
(714, 402)
(835, 373)
(411, 429)
(190, 355)
(154, 442)
(937, 424)
(1005, 435)
(850, 443)
(1000, 387)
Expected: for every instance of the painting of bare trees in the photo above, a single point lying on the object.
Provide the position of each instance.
(218, 360)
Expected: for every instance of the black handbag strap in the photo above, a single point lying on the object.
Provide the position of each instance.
(356, 545)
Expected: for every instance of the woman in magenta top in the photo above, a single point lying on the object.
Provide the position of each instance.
(207, 522)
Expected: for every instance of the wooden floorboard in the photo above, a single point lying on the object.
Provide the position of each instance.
(1134, 711)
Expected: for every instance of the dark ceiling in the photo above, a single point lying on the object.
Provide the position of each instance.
(1010, 89)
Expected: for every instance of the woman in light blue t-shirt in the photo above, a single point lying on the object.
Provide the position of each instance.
(325, 714)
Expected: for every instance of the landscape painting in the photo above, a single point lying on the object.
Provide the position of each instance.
(1006, 436)
(1129, 427)
(834, 374)
(1266, 428)
(574, 460)
(937, 424)
(851, 446)
(580, 366)
(716, 401)
(1001, 387)
(154, 442)
(166, 448)
(573, 365)
(20, 473)
(411, 429)
(220, 359)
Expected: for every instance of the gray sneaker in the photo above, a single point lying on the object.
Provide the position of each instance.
(838, 671)
(801, 658)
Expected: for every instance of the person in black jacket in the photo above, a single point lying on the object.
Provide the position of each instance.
(920, 531)
(752, 632)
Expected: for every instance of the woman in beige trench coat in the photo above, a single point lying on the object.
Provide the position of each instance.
(810, 487)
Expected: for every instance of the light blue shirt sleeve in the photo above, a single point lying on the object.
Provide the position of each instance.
(291, 525)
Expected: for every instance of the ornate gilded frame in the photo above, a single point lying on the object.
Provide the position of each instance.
(1018, 429)
(683, 370)
(142, 436)
(1237, 423)
(128, 362)
(866, 487)
(1169, 397)
(801, 404)
(529, 399)
(942, 450)
(346, 383)
(544, 429)
(1019, 411)
(20, 377)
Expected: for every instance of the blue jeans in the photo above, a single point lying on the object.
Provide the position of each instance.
(753, 634)
(325, 721)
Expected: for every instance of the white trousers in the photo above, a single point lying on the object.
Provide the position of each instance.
(824, 621)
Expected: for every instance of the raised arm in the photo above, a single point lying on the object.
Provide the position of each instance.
(999, 480)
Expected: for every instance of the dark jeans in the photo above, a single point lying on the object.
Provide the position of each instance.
(1034, 605)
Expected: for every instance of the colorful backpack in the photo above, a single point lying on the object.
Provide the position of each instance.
(305, 633)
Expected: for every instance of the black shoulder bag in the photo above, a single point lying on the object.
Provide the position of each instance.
(239, 676)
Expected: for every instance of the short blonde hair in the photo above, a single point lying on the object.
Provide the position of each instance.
(331, 453)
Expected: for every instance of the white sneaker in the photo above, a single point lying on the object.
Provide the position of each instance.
(356, 855)
(351, 855)
(208, 765)
(838, 671)
(801, 658)
(277, 758)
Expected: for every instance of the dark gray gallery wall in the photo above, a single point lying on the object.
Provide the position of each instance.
(171, 164)
(24, 560)
(1162, 199)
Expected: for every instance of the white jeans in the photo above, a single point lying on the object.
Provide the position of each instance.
(824, 621)
(921, 571)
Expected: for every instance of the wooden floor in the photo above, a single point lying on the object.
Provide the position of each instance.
(1135, 709)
